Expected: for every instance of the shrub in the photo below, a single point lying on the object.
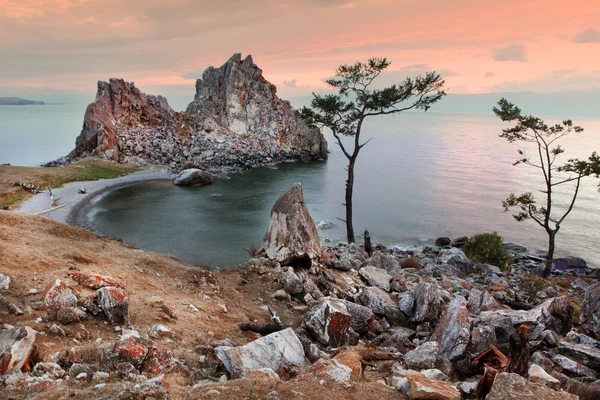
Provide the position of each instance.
(411, 262)
(531, 285)
(486, 248)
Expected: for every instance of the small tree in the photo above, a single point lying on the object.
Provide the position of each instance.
(534, 130)
(345, 112)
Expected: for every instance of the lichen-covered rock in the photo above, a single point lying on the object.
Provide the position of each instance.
(590, 310)
(585, 354)
(113, 302)
(292, 234)
(58, 295)
(192, 177)
(94, 281)
(509, 386)
(278, 349)
(145, 355)
(17, 350)
(453, 332)
(328, 321)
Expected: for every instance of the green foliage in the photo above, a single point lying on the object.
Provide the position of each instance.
(486, 248)
(356, 100)
(531, 285)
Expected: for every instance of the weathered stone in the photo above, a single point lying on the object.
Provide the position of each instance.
(192, 177)
(278, 349)
(509, 386)
(291, 283)
(329, 321)
(428, 303)
(113, 302)
(488, 269)
(435, 373)
(143, 354)
(292, 234)
(160, 331)
(156, 388)
(397, 337)
(378, 301)
(94, 281)
(585, 354)
(538, 375)
(570, 367)
(453, 332)
(17, 350)
(422, 387)
(590, 310)
(333, 370)
(423, 357)
(362, 317)
(376, 277)
(48, 368)
(70, 315)
(4, 282)
(58, 295)
(443, 241)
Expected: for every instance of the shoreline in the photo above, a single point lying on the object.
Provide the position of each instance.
(69, 194)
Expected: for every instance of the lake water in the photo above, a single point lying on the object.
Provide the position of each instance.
(422, 176)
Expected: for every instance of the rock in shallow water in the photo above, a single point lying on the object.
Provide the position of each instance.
(192, 177)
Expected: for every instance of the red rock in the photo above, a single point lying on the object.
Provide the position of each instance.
(329, 321)
(132, 349)
(17, 350)
(58, 295)
(95, 281)
(159, 357)
(90, 354)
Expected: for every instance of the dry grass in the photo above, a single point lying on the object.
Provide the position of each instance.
(85, 170)
(411, 262)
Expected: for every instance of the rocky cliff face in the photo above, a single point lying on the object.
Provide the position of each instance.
(236, 120)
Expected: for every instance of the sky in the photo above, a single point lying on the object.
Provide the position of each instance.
(58, 49)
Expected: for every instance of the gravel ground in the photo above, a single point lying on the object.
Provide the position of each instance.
(69, 194)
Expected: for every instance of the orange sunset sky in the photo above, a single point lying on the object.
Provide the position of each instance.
(478, 46)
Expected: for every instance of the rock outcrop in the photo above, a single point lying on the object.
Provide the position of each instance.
(235, 121)
(292, 234)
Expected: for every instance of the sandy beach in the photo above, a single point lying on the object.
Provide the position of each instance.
(69, 195)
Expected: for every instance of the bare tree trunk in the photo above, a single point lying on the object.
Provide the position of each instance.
(548, 269)
(368, 246)
(349, 188)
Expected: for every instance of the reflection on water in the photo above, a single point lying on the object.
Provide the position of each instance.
(423, 176)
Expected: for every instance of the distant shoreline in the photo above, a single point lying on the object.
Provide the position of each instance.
(17, 101)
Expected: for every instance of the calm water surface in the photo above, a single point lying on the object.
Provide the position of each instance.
(422, 176)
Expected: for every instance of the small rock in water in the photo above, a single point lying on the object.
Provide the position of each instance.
(325, 225)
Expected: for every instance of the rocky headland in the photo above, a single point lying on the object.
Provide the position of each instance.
(236, 121)
(17, 101)
(90, 316)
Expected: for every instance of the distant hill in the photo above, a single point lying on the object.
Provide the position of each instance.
(16, 101)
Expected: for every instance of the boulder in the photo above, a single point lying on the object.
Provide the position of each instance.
(422, 387)
(509, 386)
(292, 234)
(144, 354)
(590, 310)
(58, 295)
(378, 301)
(428, 303)
(160, 331)
(94, 281)
(113, 302)
(362, 318)
(17, 350)
(192, 177)
(459, 242)
(423, 357)
(376, 277)
(584, 354)
(278, 349)
(570, 367)
(329, 321)
(453, 332)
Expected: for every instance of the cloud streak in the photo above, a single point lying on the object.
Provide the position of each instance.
(512, 52)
